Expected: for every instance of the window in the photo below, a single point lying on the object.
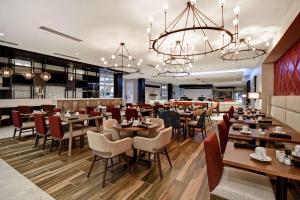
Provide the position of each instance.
(106, 84)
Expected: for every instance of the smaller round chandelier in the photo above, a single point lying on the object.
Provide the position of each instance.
(243, 50)
(6, 72)
(45, 76)
(174, 70)
(28, 74)
(194, 30)
(122, 61)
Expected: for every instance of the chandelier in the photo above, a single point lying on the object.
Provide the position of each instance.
(28, 74)
(243, 50)
(6, 72)
(45, 76)
(122, 61)
(174, 70)
(190, 27)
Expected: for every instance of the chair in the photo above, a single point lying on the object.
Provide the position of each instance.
(41, 128)
(232, 183)
(55, 110)
(227, 122)
(131, 113)
(115, 114)
(105, 149)
(3, 117)
(153, 133)
(217, 108)
(172, 119)
(93, 122)
(199, 124)
(58, 134)
(47, 108)
(156, 107)
(223, 135)
(90, 109)
(208, 115)
(24, 109)
(157, 146)
(159, 112)
(19, 125)
(128, 105)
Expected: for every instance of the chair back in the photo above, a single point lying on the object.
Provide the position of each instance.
(159, 112)
(92, 122)
(90, 109)
(157, 106)
(115, 112)
(56, 129)
(56, 110)
(128, 105)
(47, 108)
(171, 119)
(163, 138)
(98, 142)
(40, 124)
(24, 109)
(159, 121)
(108, 124)
(214, 163)
(223, 135)
(131, 113)
(201, 120)
(227, 121)
(17, 120)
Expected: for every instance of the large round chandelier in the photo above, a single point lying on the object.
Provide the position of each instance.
(122, 61)
(192, 32)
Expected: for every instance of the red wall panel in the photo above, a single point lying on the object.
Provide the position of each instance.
(287, 72)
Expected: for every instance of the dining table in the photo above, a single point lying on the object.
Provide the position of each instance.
(240, 158)
(255, 122)
(266, 136)
(186, 116)
(75, 119)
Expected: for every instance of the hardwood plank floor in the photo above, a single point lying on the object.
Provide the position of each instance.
(65, 177)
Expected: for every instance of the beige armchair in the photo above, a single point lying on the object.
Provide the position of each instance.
(154, 132)
(157, 146)
(106, 149)
(108, 127)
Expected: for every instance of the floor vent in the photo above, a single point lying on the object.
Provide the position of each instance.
(6, 42)
(60, 34)
(66, 56)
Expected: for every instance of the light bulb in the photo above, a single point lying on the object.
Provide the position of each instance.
(148, 30)
(221, 2)
(236, 10)
(116, 65)
(236, 52)
(157, 66)
(105, 63)
(139, 64)
(235, 22)
(205, 38)
(102, 59)
(129, 57)
(113, 57)
(193, 2)
(166, 6)
(267, 44)
(141, 60)
(253, 49)
(248, 39)
(129, 65)
(151, 19)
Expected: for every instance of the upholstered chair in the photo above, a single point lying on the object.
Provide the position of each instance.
(223, 135)
(232, 183)
(198, 124)
(55, 110)
(153, 133)
(156, 146)
(227, 121)
(24, 109)
(3, 117)
(115, 113)
(47, 108)
(106, 149)
(131, 113)
(208, 115)
(58, 134)
(19, 125)
(172, 119)
(41, 128)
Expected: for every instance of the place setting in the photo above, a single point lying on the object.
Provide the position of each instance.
(260, 154)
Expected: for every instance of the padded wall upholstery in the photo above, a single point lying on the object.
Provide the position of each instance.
(286, 109)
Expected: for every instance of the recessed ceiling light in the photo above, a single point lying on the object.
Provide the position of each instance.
(2, 34)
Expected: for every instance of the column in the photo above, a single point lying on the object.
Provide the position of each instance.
(170, 91)
(141, 90)
(118, 85)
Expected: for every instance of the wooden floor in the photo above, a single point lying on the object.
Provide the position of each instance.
(65, 177)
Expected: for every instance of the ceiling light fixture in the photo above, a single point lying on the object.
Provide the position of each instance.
(122, 61)
(194, 23)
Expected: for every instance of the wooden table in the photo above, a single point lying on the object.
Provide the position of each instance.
(80, 118)
(236, 134)
(186, 116)
(239, 157)
(267, 121)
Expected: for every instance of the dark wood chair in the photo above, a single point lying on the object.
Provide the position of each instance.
(198, 125)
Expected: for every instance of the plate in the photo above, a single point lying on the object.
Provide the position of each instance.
(247, 132)
(283, 132)
(267, 159)
(294, 154)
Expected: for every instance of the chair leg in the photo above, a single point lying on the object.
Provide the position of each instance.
(105, 170)
(92, 165)
(51, 145)
(36, 140)
(202, 133)
(44, 144)
(126, 160)
(166, 152)
(20, 133)
(112, 164)
(60, 145)
(15, 131)
(159, 165)
(81, 141)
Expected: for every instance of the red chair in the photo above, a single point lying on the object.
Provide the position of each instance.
(19, 125)
(82, 112)
(47, 108)
(115, 114)
(223, 135)
(131, 113)
(89, 110)
(232, 183)
(92, 122)
(24, 109)
(128, 105)
(55, 110)
(58, 134)
(227, 122)
(41, 128)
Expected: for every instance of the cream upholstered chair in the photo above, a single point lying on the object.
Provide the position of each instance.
(232, 183)
(157, 146)
(153, 133)
(106, 149)
(108, 127)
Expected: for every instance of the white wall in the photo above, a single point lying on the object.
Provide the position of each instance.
(267, 86)
(256, 72)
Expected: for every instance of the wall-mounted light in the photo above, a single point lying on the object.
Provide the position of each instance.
(253, 95)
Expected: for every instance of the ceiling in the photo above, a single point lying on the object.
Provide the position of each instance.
(103, 24)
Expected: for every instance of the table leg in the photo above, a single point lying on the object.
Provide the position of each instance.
(97, 125)
(281, 189)
(70, 139)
